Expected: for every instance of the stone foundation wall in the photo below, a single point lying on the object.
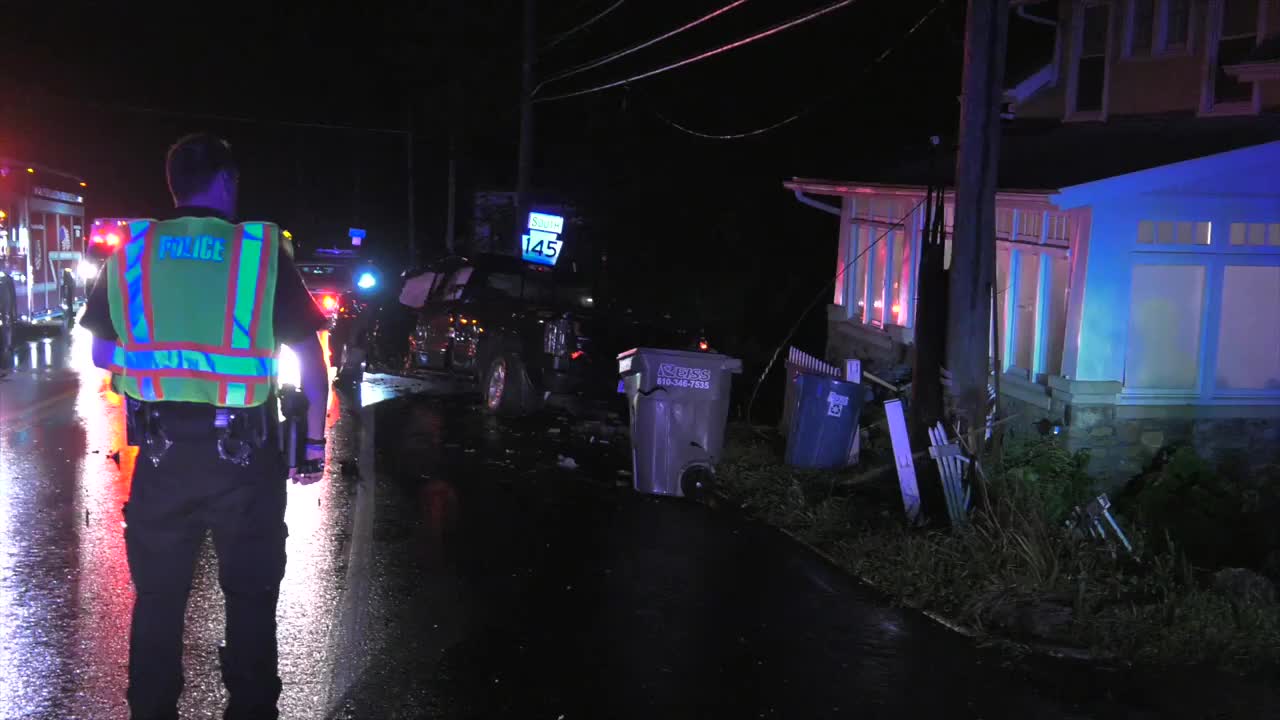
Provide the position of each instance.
(1122, 440)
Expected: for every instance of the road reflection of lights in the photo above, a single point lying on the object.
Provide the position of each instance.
(104, 594)
(65, 592)
(44, 545)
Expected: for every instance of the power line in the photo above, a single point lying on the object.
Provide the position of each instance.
(710, 53)
(813, 107)
(592, 21)
(577, 69)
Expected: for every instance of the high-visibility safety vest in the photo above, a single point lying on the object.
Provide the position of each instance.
(192, 303)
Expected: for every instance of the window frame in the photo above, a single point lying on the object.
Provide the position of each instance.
(892, 232)
(1045, 252)
(1077, 47)
(1180, 259)
(1160, 48)
(1214, 258)
(1209, 72)
(1236, 260)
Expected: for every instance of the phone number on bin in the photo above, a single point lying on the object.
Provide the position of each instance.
(676, 382)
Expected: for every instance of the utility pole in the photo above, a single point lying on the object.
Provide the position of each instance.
(456, 67)
(524, 166)
(408, 145)
(973, 249)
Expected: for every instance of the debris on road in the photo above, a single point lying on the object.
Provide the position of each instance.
(568, 463)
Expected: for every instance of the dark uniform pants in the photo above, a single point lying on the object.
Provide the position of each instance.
(169, 510)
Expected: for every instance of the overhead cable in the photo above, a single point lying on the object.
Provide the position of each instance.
(708, 54)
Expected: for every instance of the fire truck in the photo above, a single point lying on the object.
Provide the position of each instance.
(43, 261)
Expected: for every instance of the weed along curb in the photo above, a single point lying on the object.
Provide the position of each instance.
(1014, 576)
(951, 625)
(1061, 652)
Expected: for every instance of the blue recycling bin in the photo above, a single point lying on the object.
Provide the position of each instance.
(823, 422)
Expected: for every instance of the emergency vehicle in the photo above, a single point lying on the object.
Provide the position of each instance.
(42, 243)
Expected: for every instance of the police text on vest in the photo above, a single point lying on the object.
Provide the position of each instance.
(205, 248)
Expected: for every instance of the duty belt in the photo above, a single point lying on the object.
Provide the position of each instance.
(237, 432)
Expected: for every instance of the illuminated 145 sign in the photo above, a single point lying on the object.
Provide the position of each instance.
(540, 247)
(542, 244)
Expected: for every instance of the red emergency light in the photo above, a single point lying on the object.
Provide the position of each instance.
(329, 303)
(107, 233)
(110, 239)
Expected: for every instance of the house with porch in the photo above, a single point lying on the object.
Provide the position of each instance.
(1137, 288)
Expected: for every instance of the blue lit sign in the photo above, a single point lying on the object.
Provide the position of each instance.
(356, 235)
(540, 247)
(546, 223)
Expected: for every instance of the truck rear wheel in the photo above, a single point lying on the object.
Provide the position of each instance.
(506, 387)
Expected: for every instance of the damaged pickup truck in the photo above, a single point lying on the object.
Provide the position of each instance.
(522, 335)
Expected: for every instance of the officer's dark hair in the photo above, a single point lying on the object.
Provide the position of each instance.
(194, 161)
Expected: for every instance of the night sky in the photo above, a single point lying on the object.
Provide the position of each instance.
(100, 89)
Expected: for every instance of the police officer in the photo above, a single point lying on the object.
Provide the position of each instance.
(189, 315)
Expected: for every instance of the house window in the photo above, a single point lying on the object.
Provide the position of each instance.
(1174, 233)
(858, 288)
(1056, 315)
(1142, 20)
(1163, 349)
(1091, 64)
(885, 273)
(880, 245)
(1175, 30)
(1248, 335)
(1255, 234)
(1158, 26)
(1025, 310)
(880, 255)
(1237, 36)
(1031, 309)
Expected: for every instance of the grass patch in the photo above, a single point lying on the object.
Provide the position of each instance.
(1015, 570)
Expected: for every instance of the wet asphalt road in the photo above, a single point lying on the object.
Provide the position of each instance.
(460, 567)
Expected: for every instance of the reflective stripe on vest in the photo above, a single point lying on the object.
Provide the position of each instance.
(133, 279)
(194, 364)
(247, 278)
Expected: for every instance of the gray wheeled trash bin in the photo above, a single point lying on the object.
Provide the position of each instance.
(679, 405)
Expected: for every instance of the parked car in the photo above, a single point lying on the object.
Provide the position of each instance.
(521, 334)
(333, 273)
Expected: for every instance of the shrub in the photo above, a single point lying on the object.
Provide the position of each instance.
(1223, 515)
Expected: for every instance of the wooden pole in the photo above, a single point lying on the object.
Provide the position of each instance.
(458, 64)
(973, 249)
